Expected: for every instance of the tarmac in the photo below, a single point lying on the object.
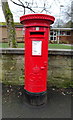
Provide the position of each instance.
(59, 104)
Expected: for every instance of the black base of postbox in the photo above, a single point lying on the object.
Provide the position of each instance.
(36, 99)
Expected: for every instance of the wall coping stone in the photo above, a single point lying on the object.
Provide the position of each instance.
(21, 51)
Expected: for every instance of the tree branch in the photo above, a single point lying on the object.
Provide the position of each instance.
(17, 3)
(22, 5)
(44, 9)
(30, 9)
(69, 14)
(21, 2)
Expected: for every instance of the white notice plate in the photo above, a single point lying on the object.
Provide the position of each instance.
(36, 47)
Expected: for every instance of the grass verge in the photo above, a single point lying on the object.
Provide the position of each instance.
(51, 46)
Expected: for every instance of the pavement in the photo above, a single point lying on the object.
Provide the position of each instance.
(59, 104)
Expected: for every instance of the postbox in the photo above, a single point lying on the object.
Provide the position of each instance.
(37, 28)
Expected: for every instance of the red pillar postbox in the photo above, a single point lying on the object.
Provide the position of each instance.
(37, 27)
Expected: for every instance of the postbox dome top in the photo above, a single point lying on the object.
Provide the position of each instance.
(37, 17)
